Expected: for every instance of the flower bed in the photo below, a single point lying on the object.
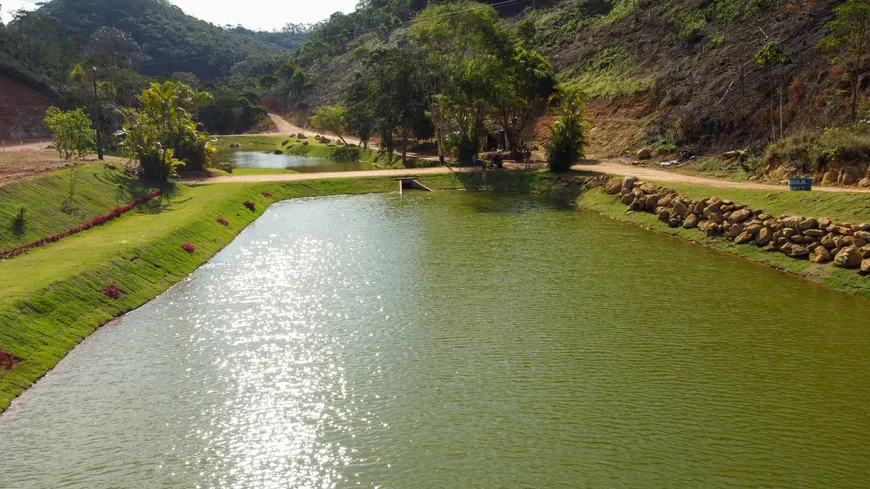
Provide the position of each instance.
(266, 193)
(222, 221)
(7, 360)
(250, 205)
(112, 291)
(83, 227)
(187, 247)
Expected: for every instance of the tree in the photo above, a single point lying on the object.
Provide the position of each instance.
(72, 131)
(772, 54)
(463, 43)
(162, 134)
(521, 94)
(360, 115)
(268, 81)
(849, 39)
(331, 118)
(564, 146)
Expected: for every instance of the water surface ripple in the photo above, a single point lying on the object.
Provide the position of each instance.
(458, 340)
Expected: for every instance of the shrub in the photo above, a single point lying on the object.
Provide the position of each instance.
(250, 205)
(808, 154)
(222, 221)
(266, 193)
(187, 247)
(7, 360)
(564, 146)
(112, 291)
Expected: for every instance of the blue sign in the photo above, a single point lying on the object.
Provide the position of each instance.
(800, 183)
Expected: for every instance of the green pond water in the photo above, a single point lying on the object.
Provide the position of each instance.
(458, 340)
(240, 158)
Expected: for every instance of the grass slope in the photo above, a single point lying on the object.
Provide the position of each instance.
(843, 280)
(97, 190)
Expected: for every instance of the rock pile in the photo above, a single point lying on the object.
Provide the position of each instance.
(820, 240)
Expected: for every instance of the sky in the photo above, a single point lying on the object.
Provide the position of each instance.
(253, 14)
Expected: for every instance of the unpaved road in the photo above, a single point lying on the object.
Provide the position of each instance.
(613, 167)
(609, 167)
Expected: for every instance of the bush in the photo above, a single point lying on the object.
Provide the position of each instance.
(250, 205)
(112, 291)
(808, 154)
(564, 146)
(188, 247)
(7, 360)
(222, 221)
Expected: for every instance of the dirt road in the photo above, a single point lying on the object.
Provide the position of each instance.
(613, 167)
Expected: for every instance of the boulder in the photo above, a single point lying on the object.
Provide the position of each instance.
(735, 230)
(792, 222)
(278, 152)
(305, 143)
(864, 182)
(794, 250)
(763, 217)
(814, 233)
(821, 255)
(864, 252)
(824, 222)
(800, 239)
(652, 201)
(224, 166)
(739, 215)
(664, 214)
(628, 199)
(691, 221)
(808, 224)
(628, 182)
(744, 237)
(699, 206)
(715, 217)
(865, 235)
(828, 241)
(765, 236)
(848, 258)
(830, 177)
(754, 229)
(644, 154)
(666, 200)
(674, 222)
(840, 241)
(865, 267)
(863, 226)
(787, 233)
(284, 142)
(613, 187)
(235, 145)
(844, 230)
(849, 176)
(680, 208)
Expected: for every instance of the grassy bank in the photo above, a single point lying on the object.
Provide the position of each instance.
(835, 206)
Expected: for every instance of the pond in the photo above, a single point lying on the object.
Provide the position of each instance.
(302, 164)
(456, 340)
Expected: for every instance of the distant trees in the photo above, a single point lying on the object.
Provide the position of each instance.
(770, 55)
(72, 131)
(849, 40)
(162, 135)
(331, 118)
(564, 146)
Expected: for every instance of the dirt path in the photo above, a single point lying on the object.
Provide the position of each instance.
(286, 127)
(613, 167)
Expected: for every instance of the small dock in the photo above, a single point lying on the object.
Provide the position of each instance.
(410, 182)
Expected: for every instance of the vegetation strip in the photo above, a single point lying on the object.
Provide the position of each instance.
(97, 221)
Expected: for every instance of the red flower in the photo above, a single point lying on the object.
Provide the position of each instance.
(249, 205)
(7, 360)
(266, 193)
(112, 291)
(187, 247)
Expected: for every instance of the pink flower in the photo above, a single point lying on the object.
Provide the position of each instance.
(187, 247)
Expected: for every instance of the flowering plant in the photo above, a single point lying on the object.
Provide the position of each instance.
(266, 193)
(187, 247)
(222, 221)
(7, 360)
(96, 221)
(112, 291)
(249, 205)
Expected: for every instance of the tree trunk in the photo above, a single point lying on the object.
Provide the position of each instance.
(770, 86)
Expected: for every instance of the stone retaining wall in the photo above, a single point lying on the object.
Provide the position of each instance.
(846, 245)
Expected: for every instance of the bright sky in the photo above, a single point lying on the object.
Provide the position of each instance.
(254, 14)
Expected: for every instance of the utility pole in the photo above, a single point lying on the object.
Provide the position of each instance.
(97, 117)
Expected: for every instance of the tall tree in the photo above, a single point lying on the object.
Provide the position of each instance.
(849, 39)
